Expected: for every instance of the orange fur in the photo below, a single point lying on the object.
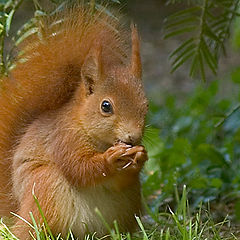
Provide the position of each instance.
(55, 135)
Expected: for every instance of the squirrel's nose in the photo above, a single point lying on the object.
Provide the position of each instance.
(130, 133)
(133, 138)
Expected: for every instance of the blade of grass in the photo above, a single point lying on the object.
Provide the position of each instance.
(41, 213)
(103, 220)
(145, 237)
(35, 226)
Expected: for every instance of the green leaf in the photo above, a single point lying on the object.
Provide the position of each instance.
(209, 59)
(37, 5)
(220, 23)
(180, 31)
(210, 153)
(181, 47)
(116, 1)
(26, 26)
(236, 33)
(235, 75)
(59, 8)
(105, 10)
(184, 22)
(1, 29)
(183, 56)
(216, 182)
(198, 182)
(201, 66)
(40, 13)
(194, 65)
(9, 21)
(208, 32)
(182, 123)
(152, 183)
(8, 4)
(184, 12)
(182, 145)
(28, 33)
(182, 61)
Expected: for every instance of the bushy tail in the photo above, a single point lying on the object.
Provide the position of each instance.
(47, 76)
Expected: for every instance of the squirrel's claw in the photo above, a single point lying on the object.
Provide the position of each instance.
(122, 157)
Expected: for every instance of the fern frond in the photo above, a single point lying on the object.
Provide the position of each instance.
(7, 11)
(206, 24)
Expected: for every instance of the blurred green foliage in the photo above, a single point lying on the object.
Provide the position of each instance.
(196, 143)
(199, 144)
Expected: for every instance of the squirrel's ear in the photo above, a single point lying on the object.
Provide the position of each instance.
(136, 66)
(91, 70)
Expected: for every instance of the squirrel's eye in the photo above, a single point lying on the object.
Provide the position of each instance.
(106, 107)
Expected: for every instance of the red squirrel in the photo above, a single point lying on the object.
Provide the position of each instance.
(71, 122)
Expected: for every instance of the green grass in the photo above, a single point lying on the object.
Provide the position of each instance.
(180, 224)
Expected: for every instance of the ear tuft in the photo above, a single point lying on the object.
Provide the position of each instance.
(136, 66)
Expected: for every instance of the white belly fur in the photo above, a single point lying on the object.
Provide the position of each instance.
(79, 205)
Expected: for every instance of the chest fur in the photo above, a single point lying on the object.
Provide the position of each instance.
(80, 209)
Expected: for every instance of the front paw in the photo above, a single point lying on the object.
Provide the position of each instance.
(123, 157)
(116, 156)
(139, 157)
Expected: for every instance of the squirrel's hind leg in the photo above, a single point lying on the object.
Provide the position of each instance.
(46, 186)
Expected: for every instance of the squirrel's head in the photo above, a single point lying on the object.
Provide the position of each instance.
(112, 99)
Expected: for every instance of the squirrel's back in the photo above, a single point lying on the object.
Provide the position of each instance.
(47, 73)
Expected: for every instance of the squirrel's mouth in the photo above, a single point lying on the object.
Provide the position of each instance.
(123, 142)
